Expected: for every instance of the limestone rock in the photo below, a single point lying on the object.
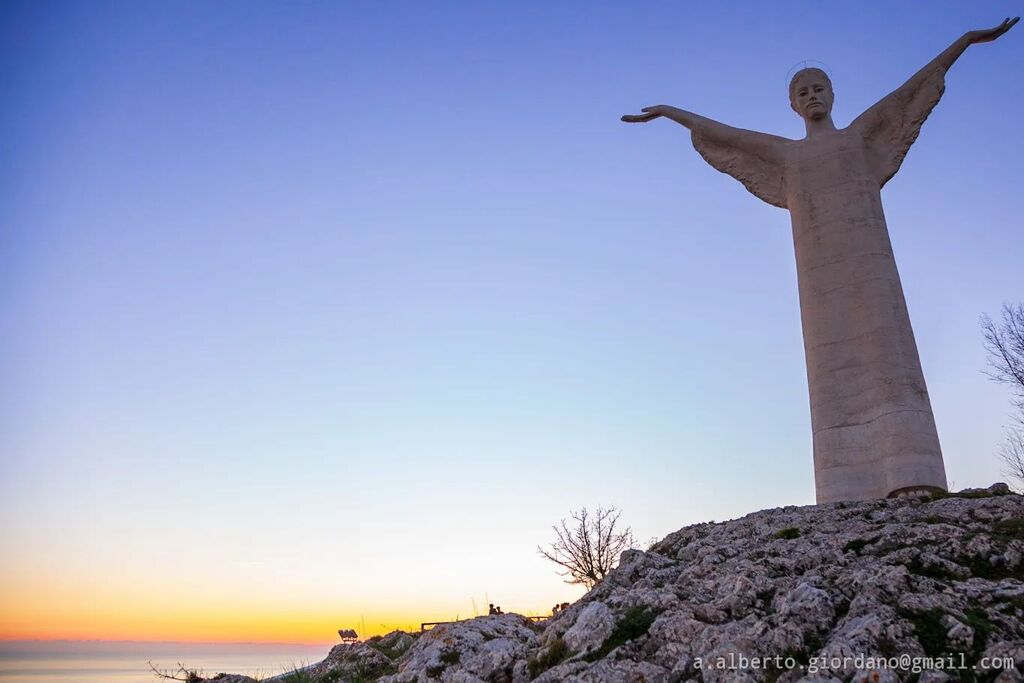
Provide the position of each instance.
(825, 587)
(471, 651)
(592, 627)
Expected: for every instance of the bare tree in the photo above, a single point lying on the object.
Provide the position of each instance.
(1004, 341)
(588, 547)
(1012, 455)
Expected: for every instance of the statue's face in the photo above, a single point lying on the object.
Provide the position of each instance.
(810, 94)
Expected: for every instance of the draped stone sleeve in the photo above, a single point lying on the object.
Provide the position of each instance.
(755, 159)
(892, 125)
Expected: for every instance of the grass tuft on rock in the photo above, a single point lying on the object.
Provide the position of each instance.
(983, 567)
(788, 534)
(634, 623)
(929, 630)
(391, 653)
(931, 571)
(978, 620)
(554, 655)
(1012, 528)
(858, 544)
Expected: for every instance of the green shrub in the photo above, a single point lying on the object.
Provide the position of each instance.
(857, 544)
(390, 652)
(932, 571)
(554, 655)
(634, 623)
(929, 630)
(298, 676)
(1009, 528)
(982, 567)
(978, 620)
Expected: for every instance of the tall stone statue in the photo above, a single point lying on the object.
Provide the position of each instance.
(873, 430)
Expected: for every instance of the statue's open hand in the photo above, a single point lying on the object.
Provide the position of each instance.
(990, 34)
(649, 114)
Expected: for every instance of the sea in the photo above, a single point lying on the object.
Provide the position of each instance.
(129, 662)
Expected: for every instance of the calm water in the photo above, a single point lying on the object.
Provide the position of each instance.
(106, 663)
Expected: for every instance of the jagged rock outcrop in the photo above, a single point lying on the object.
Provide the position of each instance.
(482, 649)
(369, 660)
(829, 593)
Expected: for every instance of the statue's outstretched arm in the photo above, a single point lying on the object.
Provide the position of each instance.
(892, 125)
(952, 53)
(761, 144)
(755, 159)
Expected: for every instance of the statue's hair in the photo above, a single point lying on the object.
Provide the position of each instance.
(802, 72)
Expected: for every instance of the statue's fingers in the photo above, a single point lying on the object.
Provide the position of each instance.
(1006, 26)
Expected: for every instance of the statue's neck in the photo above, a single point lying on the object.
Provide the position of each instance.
(819, 126)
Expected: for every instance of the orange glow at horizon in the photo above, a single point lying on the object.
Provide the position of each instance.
(51, 607)
(216, 622)
(291, 629)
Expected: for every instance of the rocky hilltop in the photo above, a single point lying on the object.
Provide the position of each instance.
(911, 589)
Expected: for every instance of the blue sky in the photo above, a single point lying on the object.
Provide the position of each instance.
(354, 300)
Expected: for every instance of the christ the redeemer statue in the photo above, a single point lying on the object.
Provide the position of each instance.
(874, 433)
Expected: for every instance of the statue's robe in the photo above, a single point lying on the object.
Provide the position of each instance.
(874, 433)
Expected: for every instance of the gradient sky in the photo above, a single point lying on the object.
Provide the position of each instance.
(317, 315)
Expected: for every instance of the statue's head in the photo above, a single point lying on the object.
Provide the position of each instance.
(810, 94)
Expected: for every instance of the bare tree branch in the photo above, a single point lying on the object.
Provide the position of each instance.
(181, 674)
(591, 548)
(1004, 342)
(1012, 455)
